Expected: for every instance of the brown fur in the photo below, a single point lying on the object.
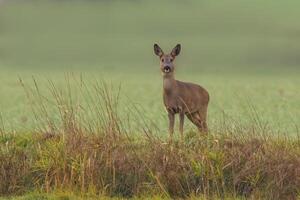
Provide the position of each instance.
(181, 97)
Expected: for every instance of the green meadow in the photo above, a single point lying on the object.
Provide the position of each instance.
(245, 53)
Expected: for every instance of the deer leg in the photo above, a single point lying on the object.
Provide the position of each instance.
(193, 119)
(201, 117)
(198, 119)
(203, 127)
(171, 124)
(181, 122)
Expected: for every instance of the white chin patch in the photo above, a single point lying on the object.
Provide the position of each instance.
(166, 70)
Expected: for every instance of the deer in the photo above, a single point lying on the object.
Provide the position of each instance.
(183, 98)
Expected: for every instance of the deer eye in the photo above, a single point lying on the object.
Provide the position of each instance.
(162, 60)
(171, 59)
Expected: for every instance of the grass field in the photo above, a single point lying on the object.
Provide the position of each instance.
(271, 100)
(242, 52)
(245, 53)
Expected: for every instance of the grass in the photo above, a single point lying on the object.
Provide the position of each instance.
(67, 196)
(91, 123)
(250, 59)
(70, 152)
(92, 165)
(274, 98)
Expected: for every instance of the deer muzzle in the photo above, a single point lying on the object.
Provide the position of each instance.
(167, 69)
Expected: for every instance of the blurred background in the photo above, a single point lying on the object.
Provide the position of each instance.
(234, 48)
(234, 35)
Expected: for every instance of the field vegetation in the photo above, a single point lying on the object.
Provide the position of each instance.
(81, 112)
(104, 157)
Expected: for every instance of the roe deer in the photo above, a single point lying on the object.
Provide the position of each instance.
(180, 97)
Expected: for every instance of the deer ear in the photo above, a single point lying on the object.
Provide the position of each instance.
(157, 50)
(176, 50)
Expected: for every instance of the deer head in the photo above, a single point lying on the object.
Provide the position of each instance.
(167, 66)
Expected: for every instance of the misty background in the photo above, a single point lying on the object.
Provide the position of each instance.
(217, 36)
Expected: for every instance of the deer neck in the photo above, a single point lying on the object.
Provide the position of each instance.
(169, 84)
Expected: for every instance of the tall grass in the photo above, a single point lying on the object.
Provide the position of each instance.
(89, 148)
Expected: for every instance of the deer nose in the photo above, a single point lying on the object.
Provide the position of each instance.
(167, 69)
